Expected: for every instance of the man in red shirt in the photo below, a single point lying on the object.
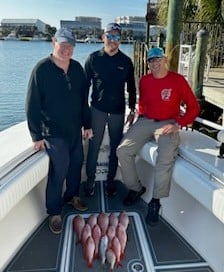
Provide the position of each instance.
(161, 93)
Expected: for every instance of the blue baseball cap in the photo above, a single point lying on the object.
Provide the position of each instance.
(155, 52)
(65, 35)
(113, 26)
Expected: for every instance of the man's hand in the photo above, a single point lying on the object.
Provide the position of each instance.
(170, 128)
(87, 134)
(39, 145)
(130, 119)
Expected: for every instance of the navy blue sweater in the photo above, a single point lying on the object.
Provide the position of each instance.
(108, 76)
(57, 103)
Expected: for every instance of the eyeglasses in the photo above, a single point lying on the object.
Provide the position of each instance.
(111, 37)
(156, 59)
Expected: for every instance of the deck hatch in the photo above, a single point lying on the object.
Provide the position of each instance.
(137, 254)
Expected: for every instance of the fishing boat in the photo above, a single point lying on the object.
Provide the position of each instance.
(92, 39)
(11, 37)
(188, 238)
(38, 38)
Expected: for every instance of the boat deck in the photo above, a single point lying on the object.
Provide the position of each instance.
(166, 249)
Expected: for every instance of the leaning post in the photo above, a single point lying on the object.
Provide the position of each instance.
(147, 17)
(151, 19)
(199, 62)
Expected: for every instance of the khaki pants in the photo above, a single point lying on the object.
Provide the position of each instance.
(140, 133)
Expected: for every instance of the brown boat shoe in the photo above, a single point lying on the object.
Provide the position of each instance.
(78, 204)
(55, 224)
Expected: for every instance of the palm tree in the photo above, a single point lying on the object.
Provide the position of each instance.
(203, 11)
(210, 11)
(197, 10)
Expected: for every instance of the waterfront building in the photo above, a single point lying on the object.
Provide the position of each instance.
(133, 26)
(84, 26)
(8, 25)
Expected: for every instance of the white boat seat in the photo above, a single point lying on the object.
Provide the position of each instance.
(198, 170)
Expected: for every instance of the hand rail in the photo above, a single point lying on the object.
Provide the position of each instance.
(15, 162)
(209, 123)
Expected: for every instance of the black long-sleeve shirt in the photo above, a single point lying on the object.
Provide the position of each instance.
(108, 76)
(57, 103)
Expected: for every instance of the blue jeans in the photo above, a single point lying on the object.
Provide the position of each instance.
(115, 123)
(66, 159)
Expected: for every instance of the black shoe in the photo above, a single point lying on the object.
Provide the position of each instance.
(89, 188)
(89, 191)
(111, 189)
(133, 196)
(152, 217)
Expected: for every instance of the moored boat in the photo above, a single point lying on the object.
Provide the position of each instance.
(92, 39)
(11, 37)
(37, 38)
(189, 236)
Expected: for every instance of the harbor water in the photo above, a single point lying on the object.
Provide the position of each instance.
(17, 59)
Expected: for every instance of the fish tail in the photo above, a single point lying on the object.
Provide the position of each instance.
(90, 264)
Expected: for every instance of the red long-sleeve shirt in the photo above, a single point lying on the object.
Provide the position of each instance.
(161, 98)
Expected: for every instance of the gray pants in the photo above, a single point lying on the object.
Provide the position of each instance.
(140, 133)
(115, 123)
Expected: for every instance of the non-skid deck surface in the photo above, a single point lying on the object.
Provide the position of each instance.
(167, 250)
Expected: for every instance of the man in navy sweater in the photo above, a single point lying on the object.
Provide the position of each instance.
(57, 110)
(108, 71)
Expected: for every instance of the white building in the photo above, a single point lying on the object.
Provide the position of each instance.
(83, 23)
(134, 24)
(29, 23)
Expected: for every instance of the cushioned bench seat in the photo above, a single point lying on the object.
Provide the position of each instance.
(198, 170)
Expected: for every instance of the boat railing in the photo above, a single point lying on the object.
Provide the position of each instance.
(21, 167)
(19, 179)
(15, 162)
(209, 123)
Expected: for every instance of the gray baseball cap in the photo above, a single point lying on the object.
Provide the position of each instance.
(65, 35)
(113, 26)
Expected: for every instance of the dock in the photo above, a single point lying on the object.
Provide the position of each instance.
(213, 88)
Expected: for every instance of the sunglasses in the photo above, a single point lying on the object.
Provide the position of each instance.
(116, 27)
(111, 37)
(156, 59)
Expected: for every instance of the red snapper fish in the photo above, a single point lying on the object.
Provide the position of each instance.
(103, 222)
(89, 251)
(124, 219)
(116, 247)
(113, 220)
(85, 234)
(111, 232)
(92, 220)
(96, 234)
(78, 225)
(111, 259)
(122, 237)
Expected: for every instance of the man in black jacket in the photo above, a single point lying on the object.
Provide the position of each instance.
(108, 71)
(57, 110)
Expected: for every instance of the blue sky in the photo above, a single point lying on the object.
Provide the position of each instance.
(52, 11)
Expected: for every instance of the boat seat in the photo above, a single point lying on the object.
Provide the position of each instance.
(198, 169)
